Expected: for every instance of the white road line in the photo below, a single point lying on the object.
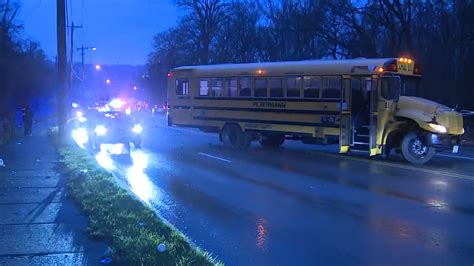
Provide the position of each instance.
(214, 157)
(457, 156)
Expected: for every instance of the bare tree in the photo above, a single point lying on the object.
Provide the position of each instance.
(206, 16)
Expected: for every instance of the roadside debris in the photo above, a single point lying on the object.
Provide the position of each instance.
(161, 248)
(107, 256)
(83, 172)
(107, 260)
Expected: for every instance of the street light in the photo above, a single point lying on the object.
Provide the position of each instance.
(83, 50)
(135, 88)
(97, 67)
(108, 81)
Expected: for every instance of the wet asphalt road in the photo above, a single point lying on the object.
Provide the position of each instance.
(301, 205)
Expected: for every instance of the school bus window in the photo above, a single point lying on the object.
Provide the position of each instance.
(356, 84)
(231, 87)
(332, 88)
(276, 87)
(260, 87)
(245, 88)
(203, 87)
(217, 87)
(293, 85)
(312, 86)
(182, 87)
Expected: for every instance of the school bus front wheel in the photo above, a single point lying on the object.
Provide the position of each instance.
(414, 150)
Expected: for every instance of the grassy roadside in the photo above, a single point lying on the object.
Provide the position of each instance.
(132, 229)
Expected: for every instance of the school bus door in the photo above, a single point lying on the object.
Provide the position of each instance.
(345, 115)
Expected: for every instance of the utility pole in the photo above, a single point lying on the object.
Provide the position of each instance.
(83, 52)
(62, 74)
(71, 86)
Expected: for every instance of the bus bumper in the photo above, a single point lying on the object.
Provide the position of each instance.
(442, 142)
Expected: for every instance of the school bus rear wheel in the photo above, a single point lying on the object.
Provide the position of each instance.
(233, 137)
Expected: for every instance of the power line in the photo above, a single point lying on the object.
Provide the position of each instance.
(32, 10)
(82, 22)
(82, 11)
(70, 10)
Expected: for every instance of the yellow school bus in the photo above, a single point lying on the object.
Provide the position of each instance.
(371, 105)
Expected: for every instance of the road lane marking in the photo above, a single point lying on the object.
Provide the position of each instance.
(400, 166)
(214, 157)
(457, 156)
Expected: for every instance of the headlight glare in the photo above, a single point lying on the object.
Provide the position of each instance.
(438, 128)
(137, 129)
(100, 130)
(80, 117)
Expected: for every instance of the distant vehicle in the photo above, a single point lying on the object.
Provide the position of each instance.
(160, 109)
(360, 104)
(141, 106)
(111, 123)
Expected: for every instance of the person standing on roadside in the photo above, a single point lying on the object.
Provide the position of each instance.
(27, 120)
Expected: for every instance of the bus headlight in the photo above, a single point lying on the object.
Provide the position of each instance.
(137, 129)
(438, 128)
(100, 130)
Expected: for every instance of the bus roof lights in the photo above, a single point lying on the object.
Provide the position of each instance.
(405, 60)
(259, 71)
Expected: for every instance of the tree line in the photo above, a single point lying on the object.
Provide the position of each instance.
(438, 34)
(26, 75)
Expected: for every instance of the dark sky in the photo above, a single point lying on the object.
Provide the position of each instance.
(122, 30)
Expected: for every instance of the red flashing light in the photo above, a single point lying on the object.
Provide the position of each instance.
(168, 75)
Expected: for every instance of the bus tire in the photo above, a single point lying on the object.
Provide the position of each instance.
(273, 141)
(233, 137)
(414, 151)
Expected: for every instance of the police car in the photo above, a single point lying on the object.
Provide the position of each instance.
(110, 123)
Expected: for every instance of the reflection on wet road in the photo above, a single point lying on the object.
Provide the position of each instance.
(301, 204)
(131, 171)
